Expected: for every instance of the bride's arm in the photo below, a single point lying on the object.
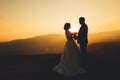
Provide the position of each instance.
(71, 35)
(74, 34)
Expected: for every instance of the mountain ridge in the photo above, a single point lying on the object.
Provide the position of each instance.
(54, 43)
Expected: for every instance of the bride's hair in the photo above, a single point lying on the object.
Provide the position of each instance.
(66, 26)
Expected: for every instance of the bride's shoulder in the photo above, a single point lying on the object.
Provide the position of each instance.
(67, 32)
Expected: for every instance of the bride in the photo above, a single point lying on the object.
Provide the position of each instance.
(70, 59)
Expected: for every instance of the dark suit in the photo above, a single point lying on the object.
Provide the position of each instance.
(83, 40)
(82, 34)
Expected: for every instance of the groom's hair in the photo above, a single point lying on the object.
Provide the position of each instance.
(82, 19)
(66, 26)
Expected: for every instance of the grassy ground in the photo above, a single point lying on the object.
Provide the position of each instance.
(39, 67)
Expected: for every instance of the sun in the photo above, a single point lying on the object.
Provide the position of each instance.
(74, 29)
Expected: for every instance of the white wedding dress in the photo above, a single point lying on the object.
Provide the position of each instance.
(70, 59)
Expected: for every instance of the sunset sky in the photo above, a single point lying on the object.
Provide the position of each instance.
(27, 18)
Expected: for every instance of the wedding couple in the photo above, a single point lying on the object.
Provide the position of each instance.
(70, 63)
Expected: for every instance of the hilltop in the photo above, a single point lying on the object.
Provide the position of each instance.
(54, 43)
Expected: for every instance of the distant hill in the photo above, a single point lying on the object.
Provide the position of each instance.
(54, 43)
(109, 36)
(104, 48)
(104, 43)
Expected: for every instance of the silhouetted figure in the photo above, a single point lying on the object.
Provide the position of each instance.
(83, 40)
(70, 59)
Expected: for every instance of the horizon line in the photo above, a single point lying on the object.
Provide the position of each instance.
(54, 34)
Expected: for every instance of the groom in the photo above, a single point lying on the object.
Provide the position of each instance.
(83, 40)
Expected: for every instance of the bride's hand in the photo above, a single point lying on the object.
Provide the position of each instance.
(74, 33)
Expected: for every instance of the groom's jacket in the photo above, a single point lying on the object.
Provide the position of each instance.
(82, 34)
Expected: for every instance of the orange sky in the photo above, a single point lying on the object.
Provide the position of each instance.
(28, 18)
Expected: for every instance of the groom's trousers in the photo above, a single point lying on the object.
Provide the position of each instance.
(83, 47)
